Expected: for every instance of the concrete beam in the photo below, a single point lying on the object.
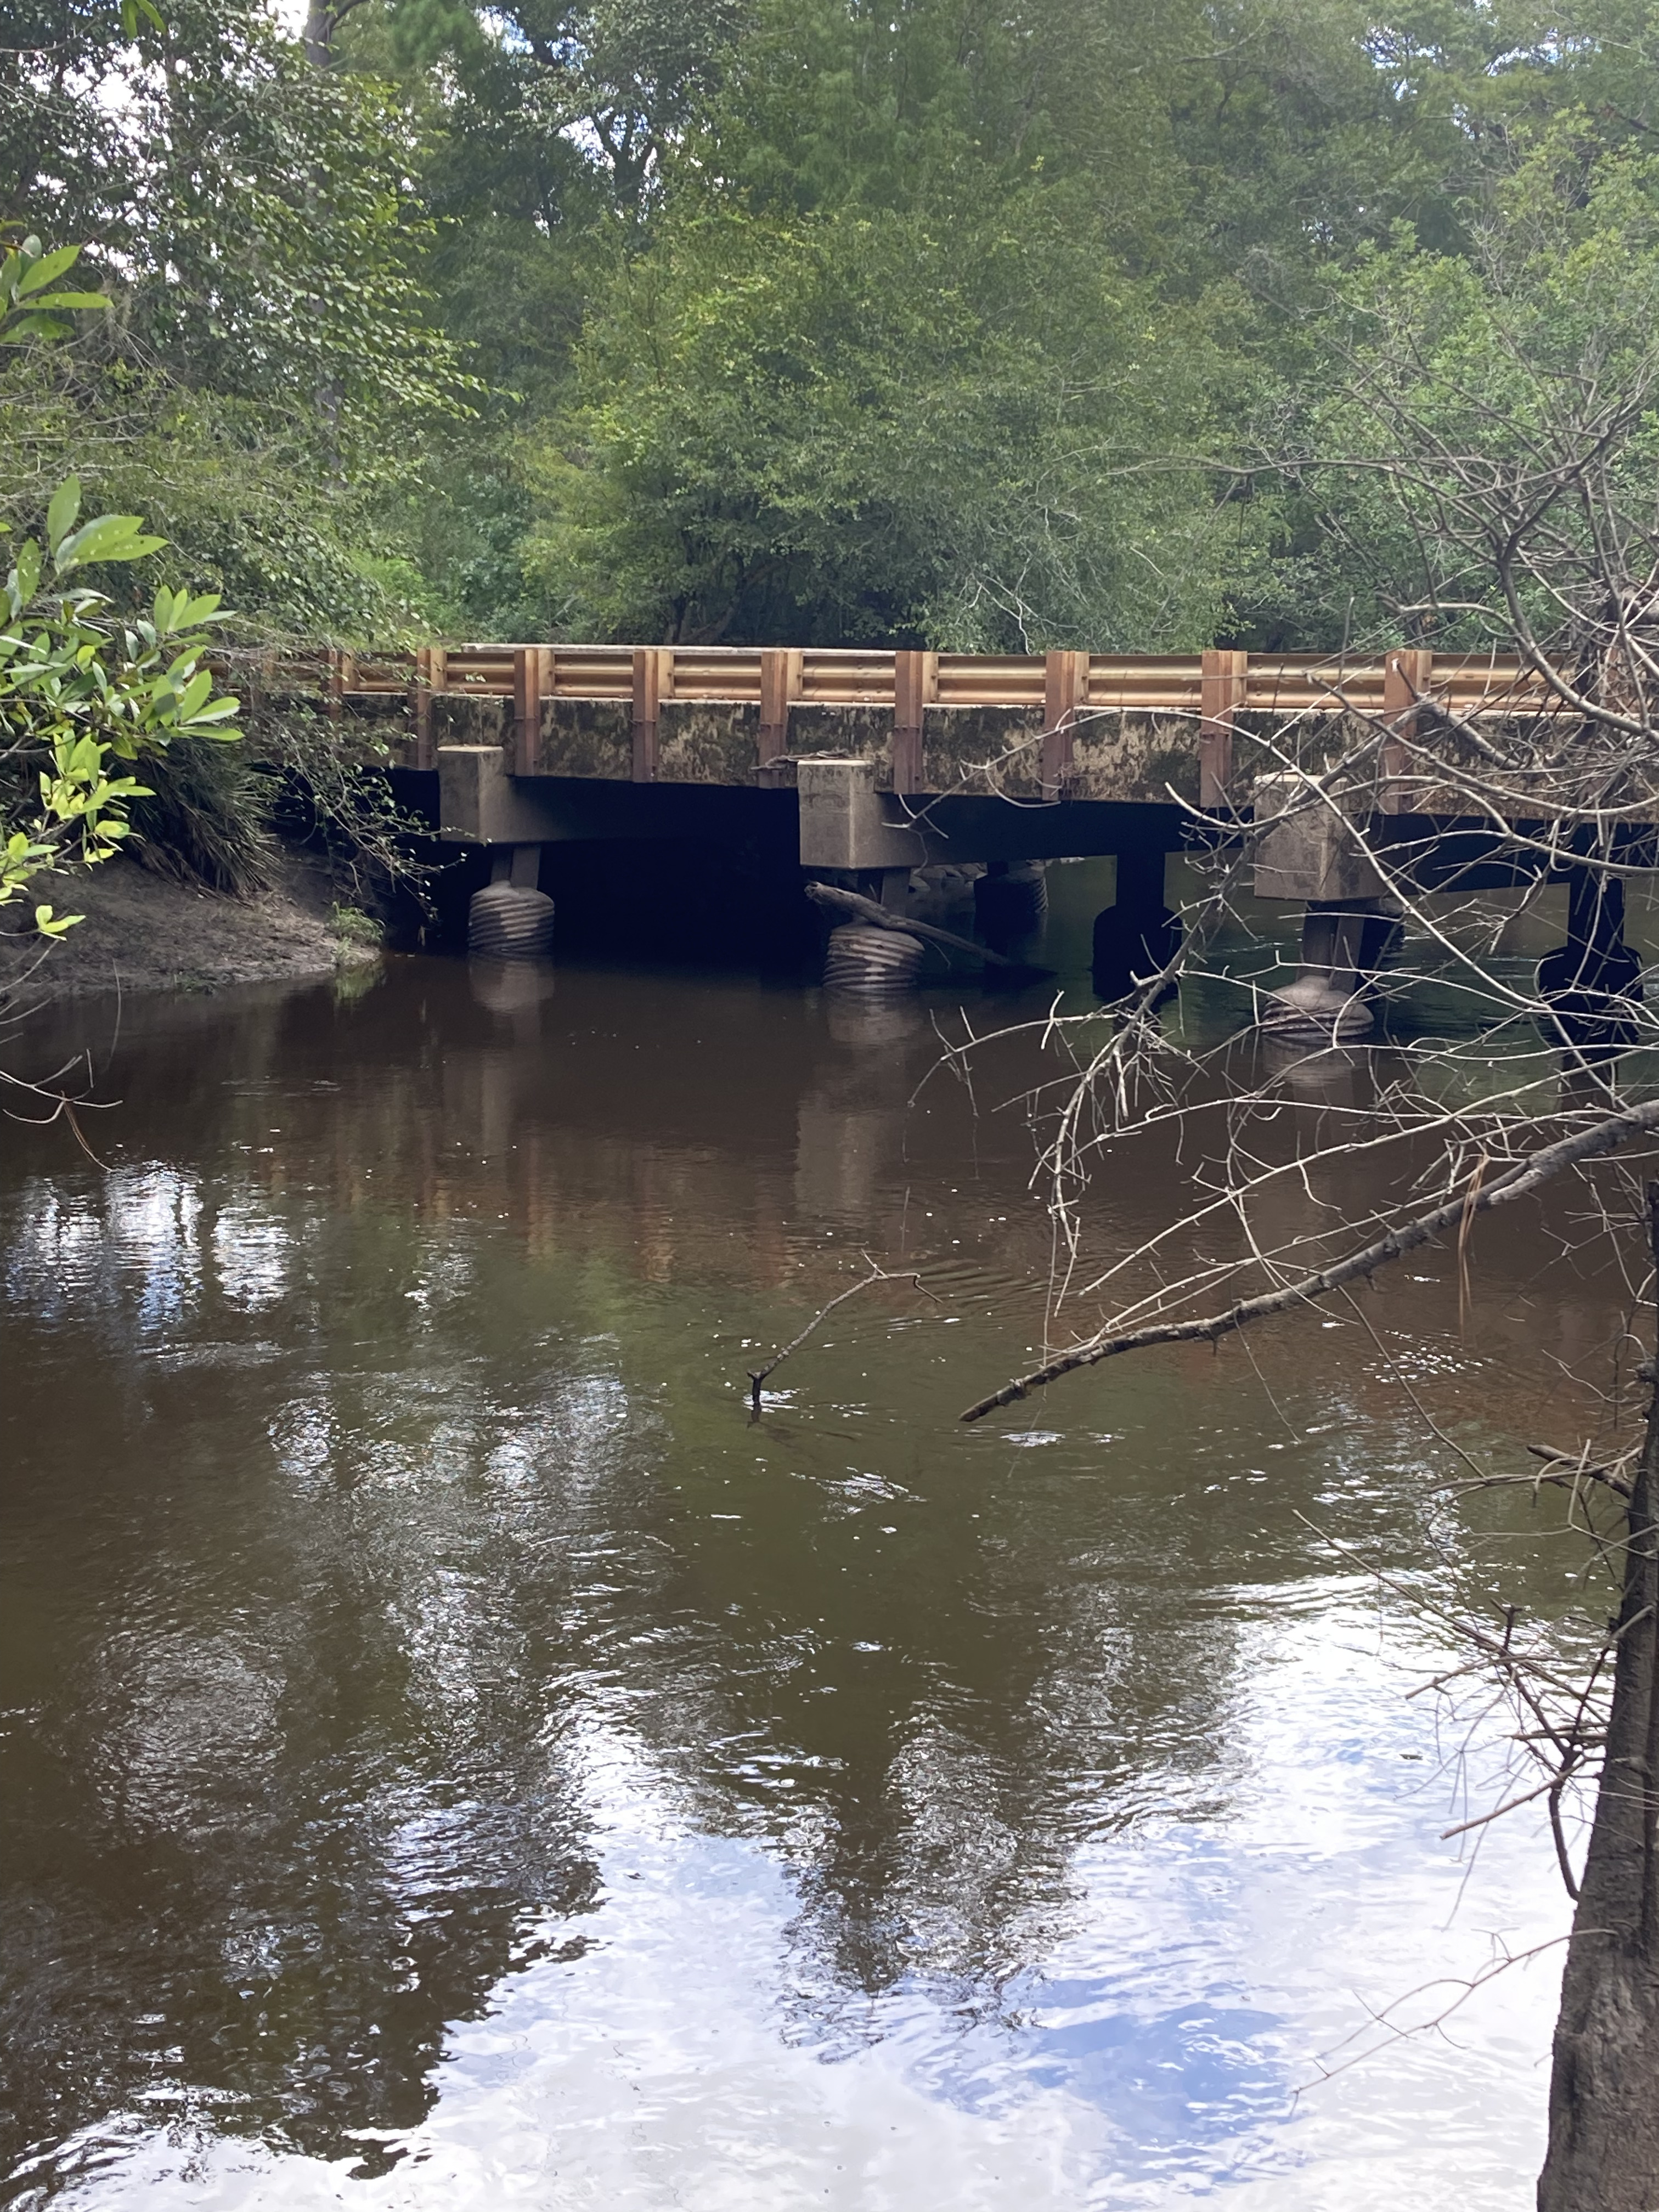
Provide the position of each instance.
(480, 804)
(846, 823)
(832, 798)
(1312, 854)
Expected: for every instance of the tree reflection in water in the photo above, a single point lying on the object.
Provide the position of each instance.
(444, 1717)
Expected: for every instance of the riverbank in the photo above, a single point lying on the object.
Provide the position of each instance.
(141, 932)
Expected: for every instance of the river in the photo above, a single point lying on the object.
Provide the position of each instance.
(454, 1756)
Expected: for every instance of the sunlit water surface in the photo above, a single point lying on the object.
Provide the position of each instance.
(454, 1757)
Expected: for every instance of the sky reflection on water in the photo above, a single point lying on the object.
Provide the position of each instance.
(670, 2050)
(456, 1759)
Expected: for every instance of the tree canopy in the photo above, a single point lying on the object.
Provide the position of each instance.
(993, 327)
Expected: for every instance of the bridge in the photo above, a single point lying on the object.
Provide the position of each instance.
(869, 765)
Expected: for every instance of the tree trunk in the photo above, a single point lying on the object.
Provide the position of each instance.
(1604, 2091)
(317, 37)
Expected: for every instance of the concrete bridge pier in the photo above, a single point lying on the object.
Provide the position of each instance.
(1011, 901)
(866, 965)
(518, 865)
(845, 830)
(889, 887)
(1592, 981)
(1311, 855)
(511, 918)
(1342, 944)
(1138, 934)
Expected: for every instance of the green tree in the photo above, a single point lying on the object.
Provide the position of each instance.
(272, 369)
(855, 428)
(83, 696)
(1463, 427)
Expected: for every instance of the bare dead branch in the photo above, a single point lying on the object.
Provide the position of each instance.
(876, 1275)
(1517, 1182)
(879, 917)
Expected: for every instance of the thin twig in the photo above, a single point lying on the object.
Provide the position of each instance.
(876, 1275)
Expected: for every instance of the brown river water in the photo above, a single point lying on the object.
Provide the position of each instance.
(453, 1757)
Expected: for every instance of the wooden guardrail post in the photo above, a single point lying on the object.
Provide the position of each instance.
(1065, 691)
(1222, 680)
(780, 668)
(262, 678)
(915, 686)
(429, 674)
(532, 679)
(342, 676)
(1406, 674)
(653, 681)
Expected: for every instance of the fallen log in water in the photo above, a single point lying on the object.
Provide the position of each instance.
(866, 910)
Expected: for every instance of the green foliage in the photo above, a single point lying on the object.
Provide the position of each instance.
(273, 366)
(204, 818)
(791, 318)
(343, 805)
(946, 327)
(255, 215)
(856, 426)
(1471, 427)
(83, 696)
(939, 106)
(31, 305)
(351, 924)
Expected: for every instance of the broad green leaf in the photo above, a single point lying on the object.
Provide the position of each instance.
(34, 326)
(48, 266)
(72, 300)
(195, 694)
(215, 711)
(26, 576)
(64, 508)
(177, 610)
(110, 537)
(183, 612)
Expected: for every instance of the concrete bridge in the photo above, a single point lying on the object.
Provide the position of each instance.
(870, 765)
